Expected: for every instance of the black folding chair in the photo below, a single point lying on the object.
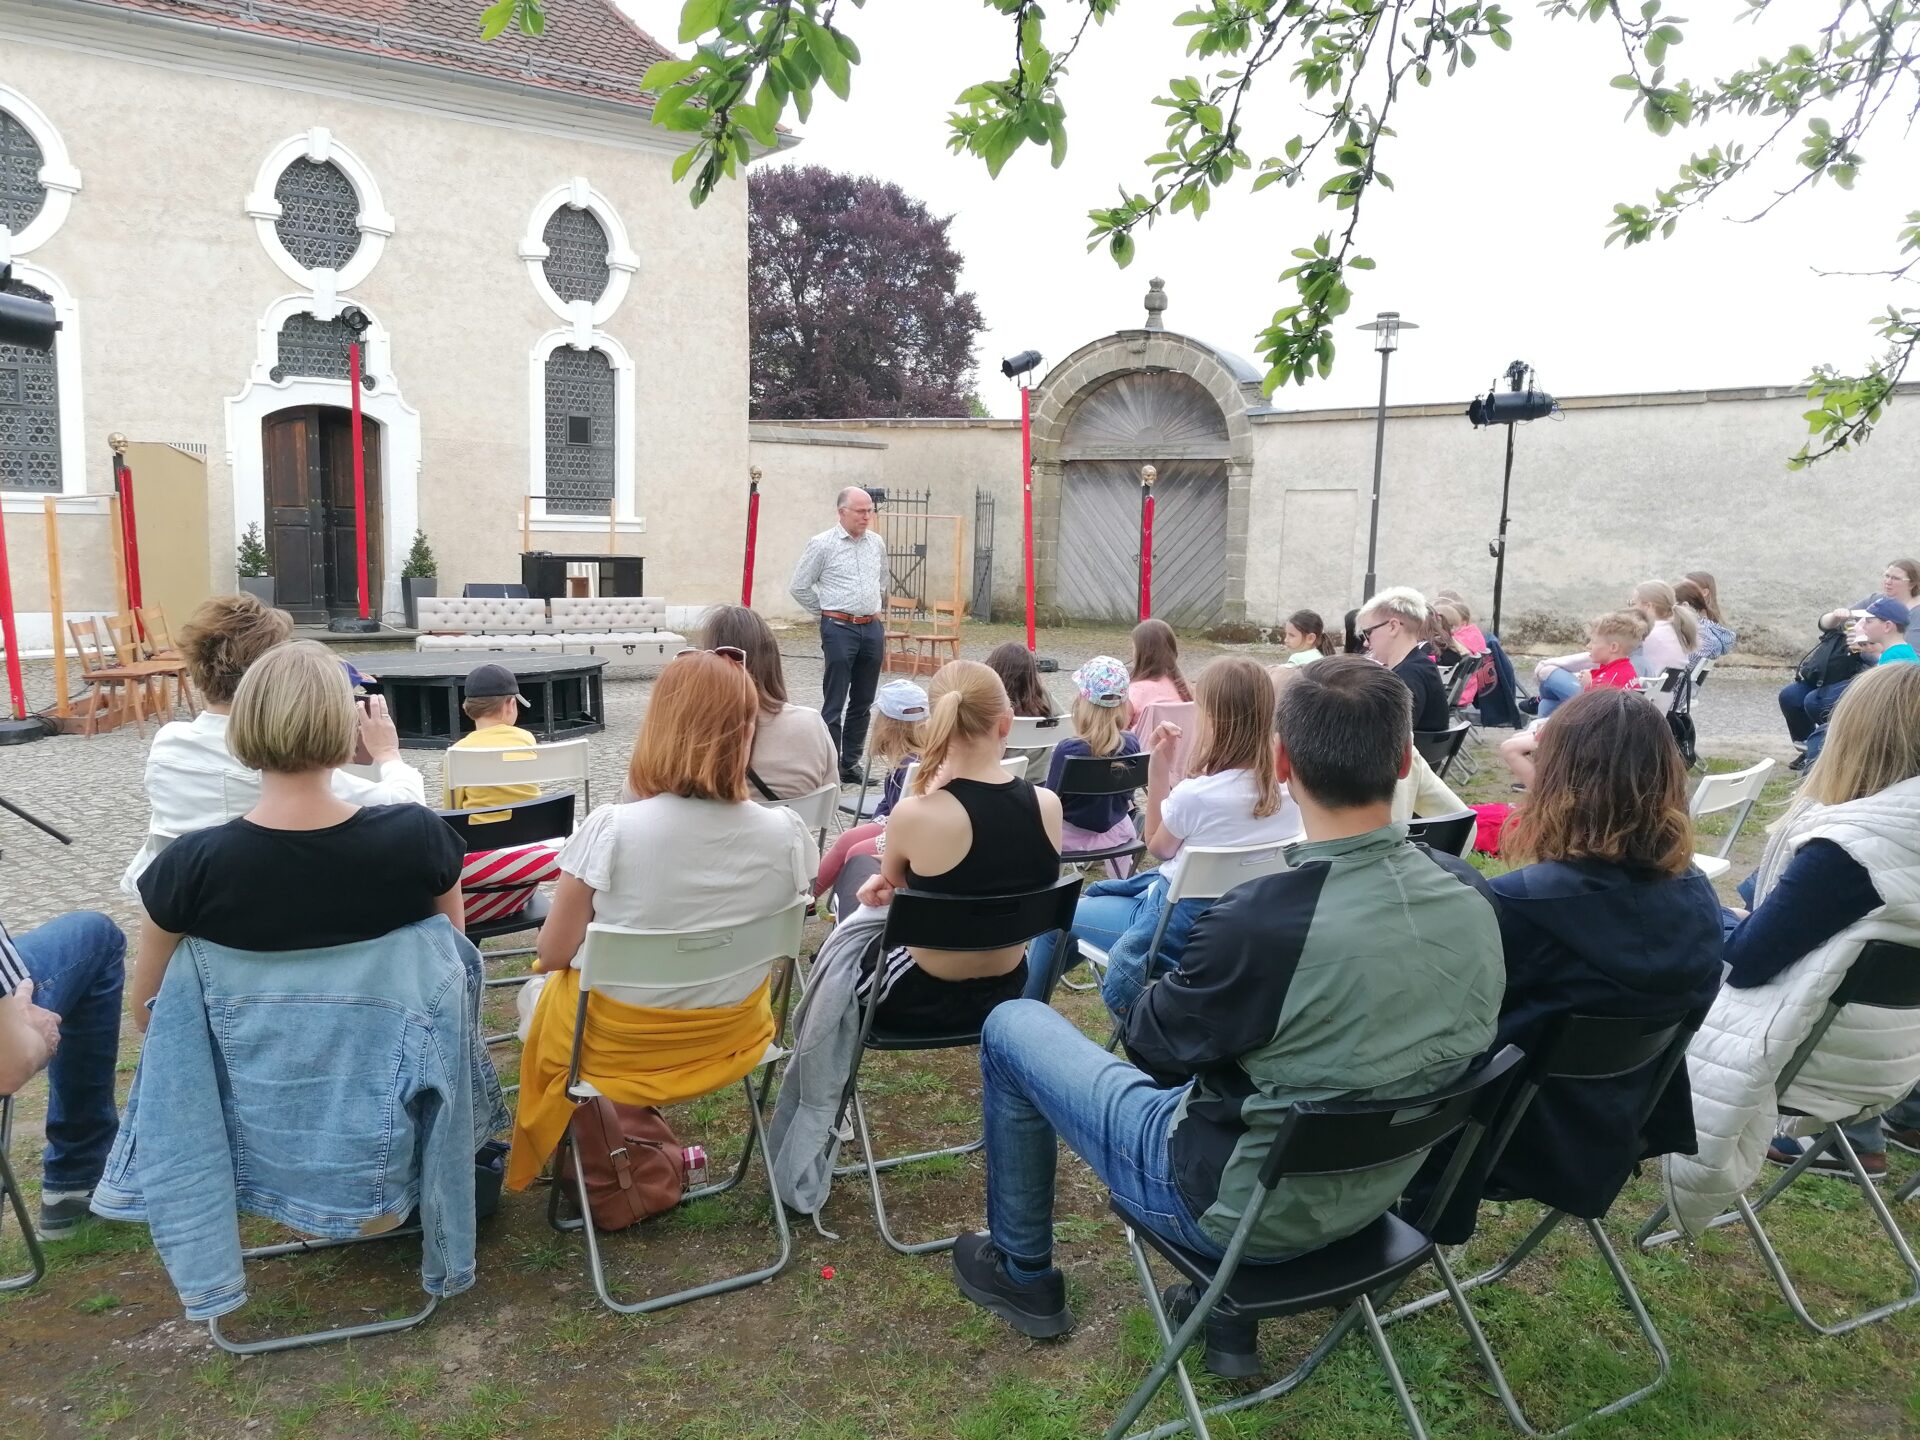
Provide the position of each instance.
(944, 922)
(1579, 1048)
(1329, 1138)
(1451, 833)
(10, 1185)
(1440, 748)
(524, 822)
(1096, 775)
(1886, 976)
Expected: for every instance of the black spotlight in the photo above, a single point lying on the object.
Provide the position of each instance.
(24, 321)
(1014, 366)
(1519, 403)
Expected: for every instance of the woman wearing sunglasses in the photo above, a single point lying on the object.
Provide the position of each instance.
(793, 753)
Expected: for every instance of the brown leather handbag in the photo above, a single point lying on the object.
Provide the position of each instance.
(631, 1159)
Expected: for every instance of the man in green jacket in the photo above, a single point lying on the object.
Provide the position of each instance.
(1370, 969)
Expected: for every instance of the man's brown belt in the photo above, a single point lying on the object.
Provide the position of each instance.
(850, 619)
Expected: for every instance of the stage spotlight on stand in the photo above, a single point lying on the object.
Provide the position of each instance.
(1014, 366)
(1518, 404)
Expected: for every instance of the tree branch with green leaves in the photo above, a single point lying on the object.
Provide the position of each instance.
(1346, 63)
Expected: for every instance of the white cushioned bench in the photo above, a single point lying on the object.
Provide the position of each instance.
(577, 626)
(634, 624)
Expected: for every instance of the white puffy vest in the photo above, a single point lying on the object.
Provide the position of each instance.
(1868, 1059)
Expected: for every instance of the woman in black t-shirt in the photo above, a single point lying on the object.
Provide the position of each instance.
(302, 869)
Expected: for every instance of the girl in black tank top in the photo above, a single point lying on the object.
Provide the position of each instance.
(1009, 849)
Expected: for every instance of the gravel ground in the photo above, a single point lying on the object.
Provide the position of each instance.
(93, 788)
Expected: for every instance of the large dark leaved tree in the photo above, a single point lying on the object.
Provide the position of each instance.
(854, 305)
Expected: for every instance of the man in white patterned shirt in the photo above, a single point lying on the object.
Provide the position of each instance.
(60, 1008)
(841, 579)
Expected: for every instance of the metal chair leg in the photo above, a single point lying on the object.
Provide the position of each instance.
(36, 1258)
(1171, 1361)
(320, 1337)
(1385, 1351)
(873, 1168)
(597, 1271)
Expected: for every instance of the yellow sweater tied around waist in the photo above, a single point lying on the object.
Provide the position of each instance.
(632, 1054)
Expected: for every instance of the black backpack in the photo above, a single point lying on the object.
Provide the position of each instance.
(1829, 661)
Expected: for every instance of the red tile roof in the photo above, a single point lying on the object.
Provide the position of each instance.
(589, 48)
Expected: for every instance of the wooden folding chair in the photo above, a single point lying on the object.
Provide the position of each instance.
(898, 635)
(115, 690)
(945, 632)
(160, 642)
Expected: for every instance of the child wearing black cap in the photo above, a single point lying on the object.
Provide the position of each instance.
(493, 702)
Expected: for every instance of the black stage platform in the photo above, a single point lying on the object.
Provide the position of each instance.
(424, 691)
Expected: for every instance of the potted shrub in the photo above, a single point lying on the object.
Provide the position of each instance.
(419, 577)
(255, 565)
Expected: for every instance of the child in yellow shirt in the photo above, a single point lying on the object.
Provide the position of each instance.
(493, 704)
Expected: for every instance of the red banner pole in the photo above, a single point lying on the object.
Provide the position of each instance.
(753, 535)
(123, 485)
(1146, 543)
(16, 687)
(1026, 498)
(359, 477)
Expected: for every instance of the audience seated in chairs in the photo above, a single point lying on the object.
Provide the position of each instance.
(1465, 642)
(1826, 670)
(1603, 665)
(691, 853)
(1231, 796)
(1842, 867)
(1154, 671)
(1610, 918)
(193, 779)
(1878, 636)
(966, 829)
(1393, 626)
(302, 869)
(1305, 637)
(1370, 969)
(1698, 593)
(1096, 822)
(894, 742)
(60, 1011)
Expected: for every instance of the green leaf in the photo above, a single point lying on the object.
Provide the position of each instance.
(1210, 118)
(664, 73)
(827, 55)
(699, 16)
(495, 19)
(1121, 248)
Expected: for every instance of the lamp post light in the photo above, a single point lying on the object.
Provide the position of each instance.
(1386, 328)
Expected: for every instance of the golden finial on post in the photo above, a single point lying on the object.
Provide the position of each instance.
(1148, 474)
(117, 443)
(753, 473)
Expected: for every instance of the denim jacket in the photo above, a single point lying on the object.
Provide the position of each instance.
(331, 1090)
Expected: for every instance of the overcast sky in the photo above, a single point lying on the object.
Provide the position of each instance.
(1491, 241)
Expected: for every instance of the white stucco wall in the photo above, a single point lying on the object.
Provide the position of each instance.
(172, 282)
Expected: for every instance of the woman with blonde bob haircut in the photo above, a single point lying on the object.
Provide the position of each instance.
(1229, 796)
(1605, 916)
(966, 827)
(690, 852)
(302, 869)
(194, 780)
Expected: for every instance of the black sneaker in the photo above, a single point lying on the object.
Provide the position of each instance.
(61, 1217)
(1799, 763)
(1528, 704)
(1233, 1343)
(850, 775)
(1037, 1309)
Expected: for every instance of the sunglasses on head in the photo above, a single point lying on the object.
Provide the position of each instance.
(725, 652)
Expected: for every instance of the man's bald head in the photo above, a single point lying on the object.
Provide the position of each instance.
(856, 510)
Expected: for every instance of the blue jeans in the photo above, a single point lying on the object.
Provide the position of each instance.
(1099, 919)
(853, 655)
(1807, 706)
(1559, 687)
(1041, 1080)
(78, 964)
(1869, 1138)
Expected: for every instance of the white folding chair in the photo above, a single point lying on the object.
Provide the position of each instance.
(1035, 732)
(677, 970)
(1715, 793)
(1014, 765)
(561, 762)
(1207, 873)
(816, 809)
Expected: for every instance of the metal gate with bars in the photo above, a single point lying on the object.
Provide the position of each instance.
(981, 605)
(902, 519)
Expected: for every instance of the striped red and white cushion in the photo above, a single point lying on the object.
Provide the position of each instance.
(497, 883)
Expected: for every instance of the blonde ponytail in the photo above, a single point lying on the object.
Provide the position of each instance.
(965, 701)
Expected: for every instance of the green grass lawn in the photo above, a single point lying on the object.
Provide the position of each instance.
(886, 1347)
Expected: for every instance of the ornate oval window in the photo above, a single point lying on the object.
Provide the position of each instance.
(29, 411)
(577, 249)
(22, 195)
(319, 220)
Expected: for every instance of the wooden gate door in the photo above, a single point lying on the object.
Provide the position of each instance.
(343, 562)
(296, 515)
